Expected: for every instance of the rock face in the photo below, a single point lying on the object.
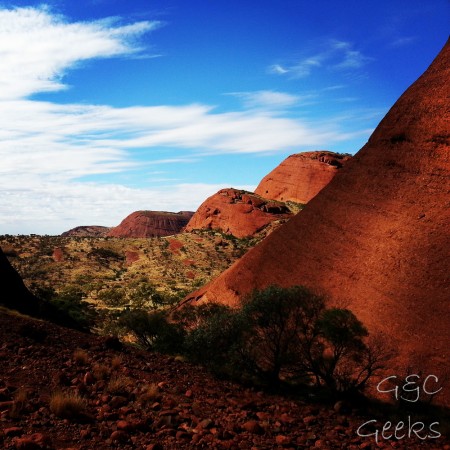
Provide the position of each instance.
(146, 224)
(87, 231)
(376, 239)
(236, 212)
(302, 176)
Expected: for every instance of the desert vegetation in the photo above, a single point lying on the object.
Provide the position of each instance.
(92, 280)
(279, 335)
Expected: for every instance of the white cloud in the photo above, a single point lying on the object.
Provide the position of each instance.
(278, 69)
(332, 55)
(402, 41)
(36, 47)
(267, 99)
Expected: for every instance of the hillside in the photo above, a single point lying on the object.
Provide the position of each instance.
(87, 231)
(109, 272)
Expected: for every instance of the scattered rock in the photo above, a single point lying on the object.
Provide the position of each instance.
(119, 436)
(252, 426)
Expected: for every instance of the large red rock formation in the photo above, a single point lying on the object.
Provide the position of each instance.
(302, 176)
(87, 231)
(236, 212)
(376, 239)
(146, 224)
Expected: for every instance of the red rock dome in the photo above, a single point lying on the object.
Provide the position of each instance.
(236, 212)
(146, 224)
(300, 177)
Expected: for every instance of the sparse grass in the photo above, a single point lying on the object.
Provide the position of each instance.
(119, 384)
(20, 401)
(67, 405)
(151, 394)
(101, 371)
(80, 357)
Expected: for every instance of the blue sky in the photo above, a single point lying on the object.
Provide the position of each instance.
(111, 106)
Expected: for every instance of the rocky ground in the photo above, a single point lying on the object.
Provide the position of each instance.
(130, 399)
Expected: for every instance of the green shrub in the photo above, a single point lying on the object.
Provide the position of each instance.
(152, 330)
(65, 307)
(112, 296)
(289, 330)
(279, 322)
(105, 255)
(216, 340)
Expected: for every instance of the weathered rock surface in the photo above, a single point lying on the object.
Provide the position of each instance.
(376, 238)
(87, 231)
(302, 176)
(146, 224)
(237, 212)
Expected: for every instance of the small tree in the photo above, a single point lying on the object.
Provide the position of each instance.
(141, 294)
(290, 330)
(340, 340)
(279, 321)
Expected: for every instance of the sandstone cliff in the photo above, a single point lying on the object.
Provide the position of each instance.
(15, 295)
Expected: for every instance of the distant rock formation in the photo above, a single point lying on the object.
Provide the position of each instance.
(376, 239)
(302, 176)
(237, 212)
(87, 231)
(147, 224)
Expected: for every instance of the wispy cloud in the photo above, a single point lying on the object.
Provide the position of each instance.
(278, 69)
(402, 41)
(332, 55)
(37, 47)
(267, 99)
